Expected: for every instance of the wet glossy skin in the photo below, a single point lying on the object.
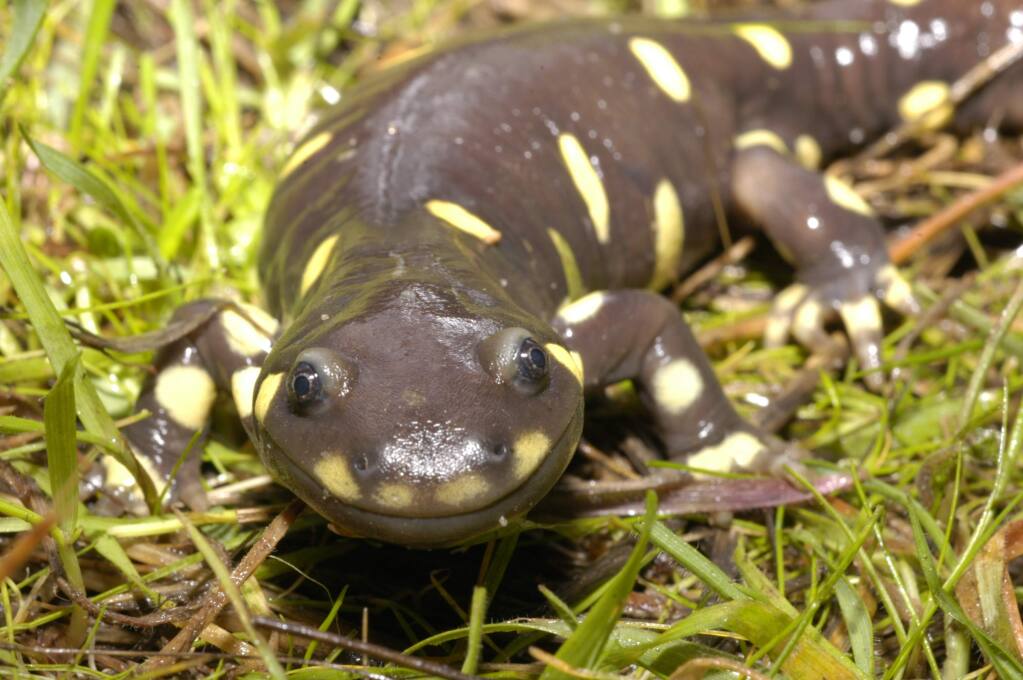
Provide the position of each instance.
(455, 207)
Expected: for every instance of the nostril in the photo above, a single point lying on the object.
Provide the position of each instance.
(500, 451)
(361, 463)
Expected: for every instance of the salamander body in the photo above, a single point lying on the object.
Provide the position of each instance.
(473, 240)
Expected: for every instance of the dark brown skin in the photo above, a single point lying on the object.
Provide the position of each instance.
(416, 248)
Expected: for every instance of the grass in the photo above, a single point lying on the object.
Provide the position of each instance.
(141, 145)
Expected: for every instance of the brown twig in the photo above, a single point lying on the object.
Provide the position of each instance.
(922, 233)
(260, 550)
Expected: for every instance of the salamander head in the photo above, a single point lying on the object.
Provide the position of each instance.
(423, 418)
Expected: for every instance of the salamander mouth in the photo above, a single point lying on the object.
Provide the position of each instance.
(440, 530)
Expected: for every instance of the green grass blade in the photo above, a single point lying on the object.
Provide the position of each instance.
(586, 644)
(61, 349)
(691, 558)
(858, 623)
(28, 16)
(95, 37)
(188, 53)
(80, 177)
(62, 447)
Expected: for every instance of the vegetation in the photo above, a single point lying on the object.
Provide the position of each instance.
(139, 149)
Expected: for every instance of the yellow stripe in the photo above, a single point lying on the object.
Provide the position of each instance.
(662, 68)
(761, 137)
(588, 183)
(463, 220)
(317, 263)
(770, 44)
(669, 235)
(573, 279)
(304, 152)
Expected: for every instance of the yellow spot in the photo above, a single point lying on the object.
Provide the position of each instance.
(676, 386)
(898, 294)
(928, 103)
(317, 263)
(861, 315)
(761, 137)
(461, 219)
(573, 279)
(737, 451)
(845, 196)
(335, 474)
(529, 452)
(669, 235)
(808, 324)
(588, 183)
(267, 392)
(243, 389)
(570, 360)
(779, 321)
(770, 44)
(244, 338)
(186, 393)
(662, 68)
(808, 152)
(582, 309)
(461, 490)
(304, 152)
(905, 3)
(395, 495)
(119, 477)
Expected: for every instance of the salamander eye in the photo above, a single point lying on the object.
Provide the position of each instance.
(319, 377)
(305, 386)
(532, 361)
(514, 358)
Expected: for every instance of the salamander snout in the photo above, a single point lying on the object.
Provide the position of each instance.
(422, 438)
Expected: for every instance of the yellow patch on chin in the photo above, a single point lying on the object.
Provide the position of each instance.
(461, 490)
(582, 309)
(669, 235)
(770, 44)
(335, 474)
(529, 451)
(761, 137)
(662, 68)
(844, 195)
(317, 263)
(463, 220)
(570, 360)
(267, 392)
(186, 393)
(395, 495)
(737, 451)
(304, 152)
(588, 184)
(929, 103)
(676, 386)
(243, 389)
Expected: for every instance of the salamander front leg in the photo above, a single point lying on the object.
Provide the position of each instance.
(223, 354)
(837, 246)
(640, 335)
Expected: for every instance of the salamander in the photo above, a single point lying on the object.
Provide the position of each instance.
(474, 240)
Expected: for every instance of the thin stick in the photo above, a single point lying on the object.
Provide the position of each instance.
(944, 220)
